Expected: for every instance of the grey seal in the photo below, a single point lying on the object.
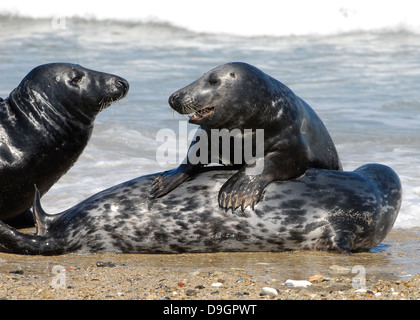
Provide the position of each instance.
(239, 96)
(320, 210)
(45, 124)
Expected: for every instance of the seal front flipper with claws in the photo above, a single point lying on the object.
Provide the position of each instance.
(238, 96)
(45, 124)
(172, 179)
(245, 189)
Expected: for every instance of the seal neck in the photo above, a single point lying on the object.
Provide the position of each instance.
(30, 104)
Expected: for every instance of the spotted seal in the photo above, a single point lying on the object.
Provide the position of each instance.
(238, 96)
(320, 210)
(45, 124)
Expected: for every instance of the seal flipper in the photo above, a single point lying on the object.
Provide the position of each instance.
(39, 214)
(242, 190)
(43, 220)
(247, 189)
(13, 241)
(169, 180)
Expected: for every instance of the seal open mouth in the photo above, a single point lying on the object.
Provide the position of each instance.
(201, 114)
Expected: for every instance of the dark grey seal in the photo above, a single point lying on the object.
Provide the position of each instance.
(45, 124)
(320, 210)
(240, 96)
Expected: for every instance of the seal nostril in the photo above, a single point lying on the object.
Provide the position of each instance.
(123, 83)
(174, 99)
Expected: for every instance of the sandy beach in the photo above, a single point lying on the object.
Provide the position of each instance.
(390, 273)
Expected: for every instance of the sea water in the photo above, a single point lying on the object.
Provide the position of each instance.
(356, 63)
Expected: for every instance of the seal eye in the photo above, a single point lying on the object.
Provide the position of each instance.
(213, 81)
(76, 80)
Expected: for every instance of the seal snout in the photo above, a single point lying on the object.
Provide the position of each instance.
(122, 86)
(184, 103)
(181, 102)
(174, 101)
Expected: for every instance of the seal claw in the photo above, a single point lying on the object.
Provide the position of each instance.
(222, 199)
(243, 205)
(241, 191)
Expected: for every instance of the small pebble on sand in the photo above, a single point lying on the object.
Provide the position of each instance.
(297, 283)
(217, 284)
(269, 291)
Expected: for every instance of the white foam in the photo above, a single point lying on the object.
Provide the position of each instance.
(249, 18)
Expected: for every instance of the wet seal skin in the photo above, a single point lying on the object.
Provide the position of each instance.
(321, 210)
(45, 124)
(240, 96)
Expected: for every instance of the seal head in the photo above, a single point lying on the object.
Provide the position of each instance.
(227, 97)
(45, 124)
(68, 89)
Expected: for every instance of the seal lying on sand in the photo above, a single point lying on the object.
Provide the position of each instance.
(320, 210)
(239, 96)
(45, 124)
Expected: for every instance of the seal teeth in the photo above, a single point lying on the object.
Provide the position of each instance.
(202, 113)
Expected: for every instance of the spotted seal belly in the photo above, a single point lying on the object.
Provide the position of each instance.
(321, 210)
